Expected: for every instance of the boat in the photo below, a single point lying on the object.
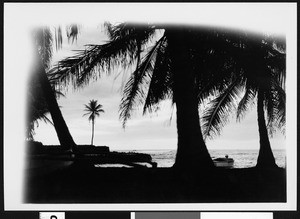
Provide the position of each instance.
(224, 162)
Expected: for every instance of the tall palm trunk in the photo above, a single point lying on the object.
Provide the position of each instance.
(265, 156)
(192, 152)
(93, 124)
(62, 131)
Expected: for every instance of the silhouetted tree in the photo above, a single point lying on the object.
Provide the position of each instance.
(37, 108)
(186, 64)
(43, 40)
(93, 110)
(261, 75)
(267, 70)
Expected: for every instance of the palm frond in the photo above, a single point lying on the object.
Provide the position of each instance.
(72, 32)
(276, 115)
(58, 38)
(44, 41)
(215, 63)
(142, 32)
(219, 81)
(134, 91)
(245, 103)
(216, 115)
(274, 94)
(161, 83)
(277, 66)
(88, 108)
(87, 65)
(281, 109)
(86, 114)
(98, 106)
(46, 119)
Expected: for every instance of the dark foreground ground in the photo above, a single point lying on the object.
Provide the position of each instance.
(79, 184)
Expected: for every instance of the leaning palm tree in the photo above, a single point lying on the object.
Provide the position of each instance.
(261, 77)
(185, 64)
(93, 110)
(44, 40)
(37, 106)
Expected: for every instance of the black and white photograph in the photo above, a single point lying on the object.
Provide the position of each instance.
(150, 106)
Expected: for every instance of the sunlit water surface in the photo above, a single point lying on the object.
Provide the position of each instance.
(242, 158)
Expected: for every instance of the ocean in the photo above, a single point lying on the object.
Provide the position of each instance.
(242, 158)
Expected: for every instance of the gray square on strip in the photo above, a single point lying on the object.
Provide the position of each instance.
(167, 215)
(52, 215)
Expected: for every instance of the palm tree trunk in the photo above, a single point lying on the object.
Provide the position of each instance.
(192, 152)
(93, 124)
(265, 157)
(62, 131)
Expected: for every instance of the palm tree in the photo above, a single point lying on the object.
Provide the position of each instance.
(261, 76)
(37, 108)
(185, 64)
(93, 110)
(269, 72)
(43, 40)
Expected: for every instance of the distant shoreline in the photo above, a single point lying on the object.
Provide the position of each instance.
(208, 149)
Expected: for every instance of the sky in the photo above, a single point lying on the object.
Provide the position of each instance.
(149, 132)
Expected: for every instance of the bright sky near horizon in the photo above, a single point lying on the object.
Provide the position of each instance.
(142, 132)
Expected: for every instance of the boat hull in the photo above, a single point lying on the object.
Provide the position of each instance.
(223, 164)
